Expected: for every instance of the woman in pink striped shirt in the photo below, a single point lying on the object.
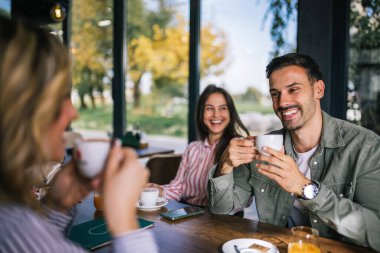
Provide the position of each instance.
(217, 123)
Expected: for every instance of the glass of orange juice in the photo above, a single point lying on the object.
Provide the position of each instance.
(98, 201)
(304, 239)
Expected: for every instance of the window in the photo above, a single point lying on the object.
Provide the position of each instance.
(157, 68)
(363, 107)
(5, 8)
(91, 50)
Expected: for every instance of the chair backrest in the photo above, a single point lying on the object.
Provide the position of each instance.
(163, 168)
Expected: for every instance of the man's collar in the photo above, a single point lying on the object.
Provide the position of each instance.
(207, 144)
(331, 134)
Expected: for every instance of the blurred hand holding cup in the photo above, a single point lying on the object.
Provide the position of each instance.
(149, 196)
(274, 141)
(91, 155)
(304, 239)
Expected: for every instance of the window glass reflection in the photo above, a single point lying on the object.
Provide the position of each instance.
(91, 50)
(5, 8)
(363, 101)
(157, 68)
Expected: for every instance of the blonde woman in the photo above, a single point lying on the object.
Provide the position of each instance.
(35, 110)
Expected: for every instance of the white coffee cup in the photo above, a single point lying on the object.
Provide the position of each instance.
(149, 196)
(273, 141)
(91, 155)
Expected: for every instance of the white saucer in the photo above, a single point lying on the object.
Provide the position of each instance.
(160, 203)
(243, 243)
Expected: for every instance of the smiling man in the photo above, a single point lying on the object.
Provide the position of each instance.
(327, 176)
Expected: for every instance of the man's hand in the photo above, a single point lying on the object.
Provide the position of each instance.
(282, 169)
(239, 151)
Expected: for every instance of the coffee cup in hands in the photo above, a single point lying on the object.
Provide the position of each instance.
(91, 155)
(274, 141)
(149, 196)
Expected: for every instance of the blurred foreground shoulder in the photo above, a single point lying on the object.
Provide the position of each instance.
(23, 230)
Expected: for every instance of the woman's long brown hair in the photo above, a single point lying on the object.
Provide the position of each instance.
(234, 128)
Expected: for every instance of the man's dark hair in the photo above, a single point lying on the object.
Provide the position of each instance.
(294, 59)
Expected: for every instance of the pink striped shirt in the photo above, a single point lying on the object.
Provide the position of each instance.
(190, 183)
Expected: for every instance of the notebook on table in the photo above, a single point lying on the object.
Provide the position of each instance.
(94, 234)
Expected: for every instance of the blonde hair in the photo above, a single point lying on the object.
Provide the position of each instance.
(34, 81)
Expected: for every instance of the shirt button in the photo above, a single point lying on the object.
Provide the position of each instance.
(315, 221)
(341, 195)
(262, 190)
(315, 163)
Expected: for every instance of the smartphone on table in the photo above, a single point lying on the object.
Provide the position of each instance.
(182, 212)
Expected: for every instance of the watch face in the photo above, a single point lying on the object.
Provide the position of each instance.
(309, 191)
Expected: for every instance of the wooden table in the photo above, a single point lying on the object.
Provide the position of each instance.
(207, 233)
(152, 150)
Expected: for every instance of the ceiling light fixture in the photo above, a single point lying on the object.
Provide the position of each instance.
(58, 12)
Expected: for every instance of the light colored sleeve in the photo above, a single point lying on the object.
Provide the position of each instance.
(23, 230)
(62, 221)
(357, 219)
(231, 192)
(139, 241)
(174, 189)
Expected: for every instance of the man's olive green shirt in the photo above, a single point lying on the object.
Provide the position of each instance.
(347, 166)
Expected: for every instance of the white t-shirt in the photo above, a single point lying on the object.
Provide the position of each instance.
(299, 215)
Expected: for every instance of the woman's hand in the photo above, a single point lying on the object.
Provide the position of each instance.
(68, 187)
(124, 179)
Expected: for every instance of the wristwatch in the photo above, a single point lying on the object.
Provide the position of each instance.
(310, 190)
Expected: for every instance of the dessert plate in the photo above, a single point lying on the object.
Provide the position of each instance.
(243, 245)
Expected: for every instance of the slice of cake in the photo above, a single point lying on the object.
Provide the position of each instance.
(259, 247)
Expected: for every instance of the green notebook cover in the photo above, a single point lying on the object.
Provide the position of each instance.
(94, 234)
